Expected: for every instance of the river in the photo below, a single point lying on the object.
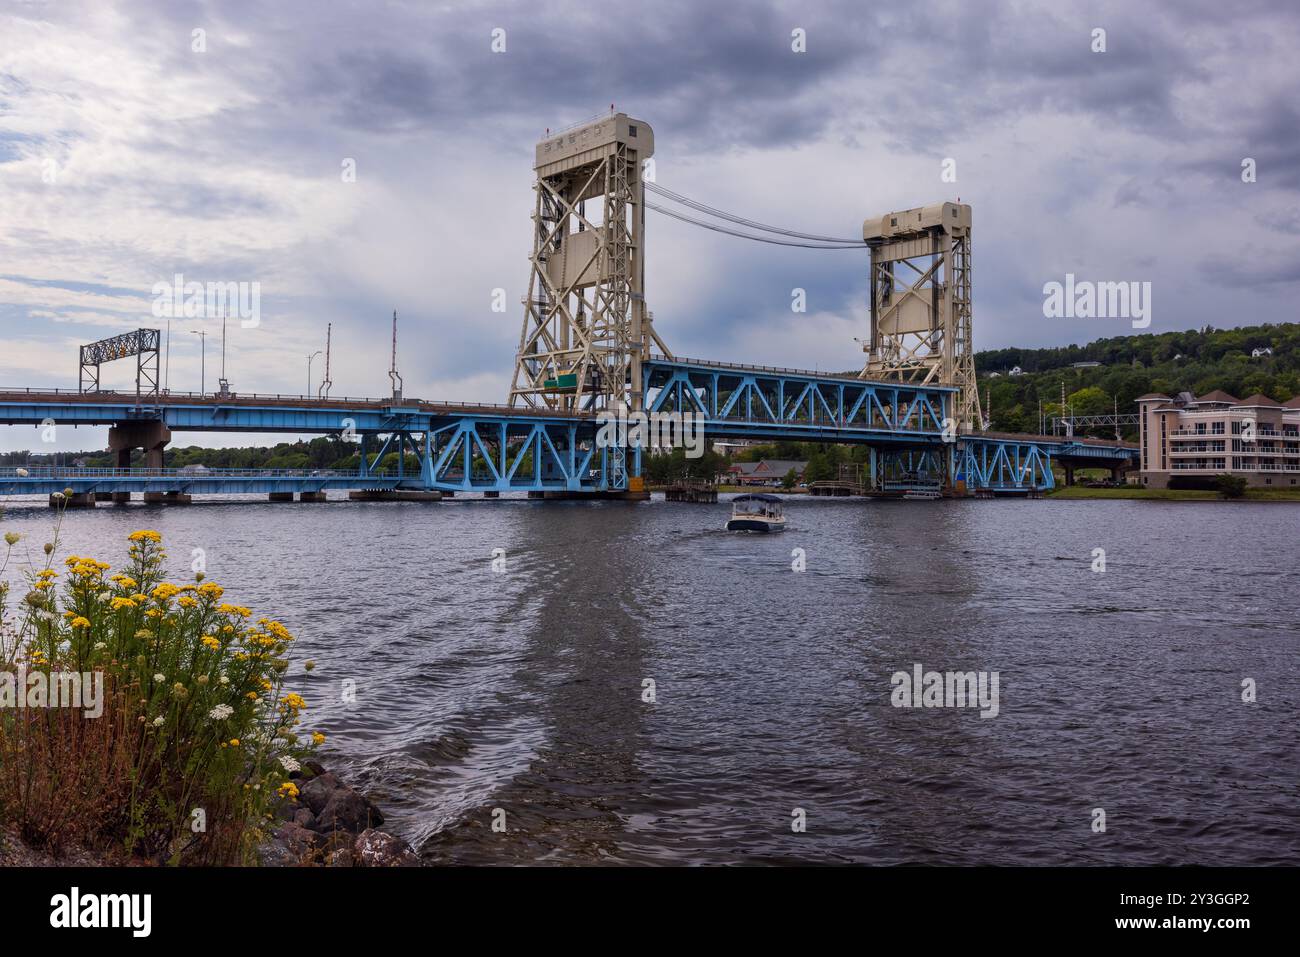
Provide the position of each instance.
(524, 687)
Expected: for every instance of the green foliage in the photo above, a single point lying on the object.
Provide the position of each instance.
(1131, 366)
(192, 718)
(1231, 486)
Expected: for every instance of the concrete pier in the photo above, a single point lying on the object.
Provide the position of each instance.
(311, 497)
(396, 495)
(279, 496)
(75, 500)
(167, 498)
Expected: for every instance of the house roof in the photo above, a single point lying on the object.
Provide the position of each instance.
(1152, 395)
(1260, 399)
(779, 467)
(1218, 395)
(1292, 403)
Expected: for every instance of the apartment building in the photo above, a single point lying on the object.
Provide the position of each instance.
(1256, 438)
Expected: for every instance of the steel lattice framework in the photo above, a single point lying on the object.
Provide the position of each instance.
(921, 302)
(586, 330)
(142, 343)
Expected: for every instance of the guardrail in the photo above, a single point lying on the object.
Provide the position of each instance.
(53, 472)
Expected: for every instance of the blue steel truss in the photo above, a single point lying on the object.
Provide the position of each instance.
(499, 449)
(1001, 465)
(756, 402)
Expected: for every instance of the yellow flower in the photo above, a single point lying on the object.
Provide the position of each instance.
(126, 581)
(292, 702)
(234, 742)
(185, 601)
(144, 535)
(317, 738)
(287, 789)
(164, 591)
(119, 602)
(210, 590)
(211, 642)
(80, 622)
(251, 696)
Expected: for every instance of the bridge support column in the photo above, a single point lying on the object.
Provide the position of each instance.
(75, 500)
(151, 436)
(1069, 474)
(311, 496)
(396, 495)
(121, 498)
(280, 496)
(167, 498)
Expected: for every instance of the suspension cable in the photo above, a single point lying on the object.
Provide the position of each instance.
(762, 239)
(741, 221)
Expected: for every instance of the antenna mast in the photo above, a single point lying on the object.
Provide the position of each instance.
(223, 382)
(392, 371)
(324, 391)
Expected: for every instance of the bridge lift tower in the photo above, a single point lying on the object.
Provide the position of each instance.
(586, 330)
(921, 302)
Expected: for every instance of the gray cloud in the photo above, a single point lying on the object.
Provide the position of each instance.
(226, 163)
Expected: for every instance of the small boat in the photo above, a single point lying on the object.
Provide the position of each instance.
(756, 513)
(922, 494)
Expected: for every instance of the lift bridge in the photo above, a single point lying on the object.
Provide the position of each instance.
(588, 351)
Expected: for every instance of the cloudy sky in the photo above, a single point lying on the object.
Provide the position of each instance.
(128, 156)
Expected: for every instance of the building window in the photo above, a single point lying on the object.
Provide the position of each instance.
(631, 129)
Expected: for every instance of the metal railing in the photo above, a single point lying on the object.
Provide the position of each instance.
(807, 373)
(37, 472)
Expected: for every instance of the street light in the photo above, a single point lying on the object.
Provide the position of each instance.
(203, 359)
(309, 359)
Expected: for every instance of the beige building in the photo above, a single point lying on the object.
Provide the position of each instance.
(1256, 438)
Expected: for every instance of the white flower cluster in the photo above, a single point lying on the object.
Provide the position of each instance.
(221, 712)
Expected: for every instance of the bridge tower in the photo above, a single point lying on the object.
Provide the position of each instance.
(921, 302)
(586, 330)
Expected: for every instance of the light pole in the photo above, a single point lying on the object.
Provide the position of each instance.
(309, 359)
(203, 360)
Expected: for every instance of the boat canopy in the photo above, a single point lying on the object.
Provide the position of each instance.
(756, 497)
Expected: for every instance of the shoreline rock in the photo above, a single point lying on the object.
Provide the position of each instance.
(330, 824)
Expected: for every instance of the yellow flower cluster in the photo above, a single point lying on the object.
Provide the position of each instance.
(211, 642)
(292, 702)
(86, 567)
(227, 609)
(144, 535)
(210, 590)
(163, 591)
(119, 603)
